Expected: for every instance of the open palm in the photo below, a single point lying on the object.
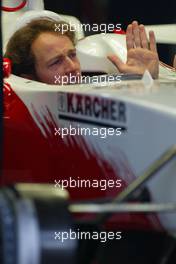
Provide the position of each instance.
(141, 54)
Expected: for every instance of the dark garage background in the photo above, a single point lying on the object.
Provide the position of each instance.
(106, 11)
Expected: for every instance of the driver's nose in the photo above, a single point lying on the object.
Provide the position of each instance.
(70, 65)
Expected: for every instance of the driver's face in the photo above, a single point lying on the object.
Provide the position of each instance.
(55, 57)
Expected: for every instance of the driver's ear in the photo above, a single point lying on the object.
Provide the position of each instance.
(28, 76)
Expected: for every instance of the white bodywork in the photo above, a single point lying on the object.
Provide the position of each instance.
(150, 122)
(93, 50)
(165, 34)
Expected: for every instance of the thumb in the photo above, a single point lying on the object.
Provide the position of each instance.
(116, 61)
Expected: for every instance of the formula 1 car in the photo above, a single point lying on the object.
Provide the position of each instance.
(106, 142)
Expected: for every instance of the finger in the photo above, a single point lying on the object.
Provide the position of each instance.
(116, 61)
(143, 36)
(136, 34)
(152, 41)
(174, 64)
(129, 37)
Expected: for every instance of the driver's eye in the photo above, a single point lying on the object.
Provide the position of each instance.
(72, 54)
(57, 62)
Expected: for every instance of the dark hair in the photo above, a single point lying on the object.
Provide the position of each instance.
(19, 46)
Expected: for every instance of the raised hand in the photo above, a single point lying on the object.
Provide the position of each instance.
(142, 54)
